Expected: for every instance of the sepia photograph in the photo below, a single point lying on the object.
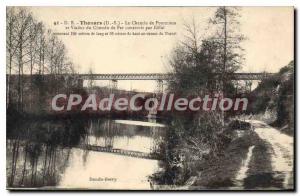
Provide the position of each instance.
(150, 98)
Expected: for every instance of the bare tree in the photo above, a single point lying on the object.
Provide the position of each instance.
(23, 29)
(41, 47)
(11, 47)
(31, 50)
(91, 82)
(226, 25)
(194, 62)
(228, 38)
(192, 38)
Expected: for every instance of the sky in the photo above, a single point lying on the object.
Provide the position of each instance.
(268, 47)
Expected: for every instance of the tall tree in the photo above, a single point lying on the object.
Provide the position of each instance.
(11, 47)
(193, 62)
(23, 30)
(30, 50)
(226, 34)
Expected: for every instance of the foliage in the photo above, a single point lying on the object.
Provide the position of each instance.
(276, 93)
(201, 67)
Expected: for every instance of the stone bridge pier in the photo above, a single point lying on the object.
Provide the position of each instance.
(80, 83)
(159, 86)
(249, 84)
(113, 85)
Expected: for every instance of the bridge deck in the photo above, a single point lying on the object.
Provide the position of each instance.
(151, 76)
(162, 76)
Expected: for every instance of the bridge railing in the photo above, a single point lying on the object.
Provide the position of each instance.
(152, 76)
(161, 76)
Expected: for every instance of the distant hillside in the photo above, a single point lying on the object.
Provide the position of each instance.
(275, 95)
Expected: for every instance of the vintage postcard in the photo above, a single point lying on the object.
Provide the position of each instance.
(150, 98)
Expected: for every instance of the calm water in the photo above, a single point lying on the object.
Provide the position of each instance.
(49, 154)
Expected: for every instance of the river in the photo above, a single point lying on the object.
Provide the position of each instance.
(51, 162)
(123, 154)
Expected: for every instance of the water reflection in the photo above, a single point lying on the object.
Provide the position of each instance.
(129, 136)
(49, 154)
(107, 171)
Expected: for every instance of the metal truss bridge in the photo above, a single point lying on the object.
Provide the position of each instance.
(158, 77)
(161, 76)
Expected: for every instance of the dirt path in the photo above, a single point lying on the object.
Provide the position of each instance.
(280, 150)
(256, 159)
